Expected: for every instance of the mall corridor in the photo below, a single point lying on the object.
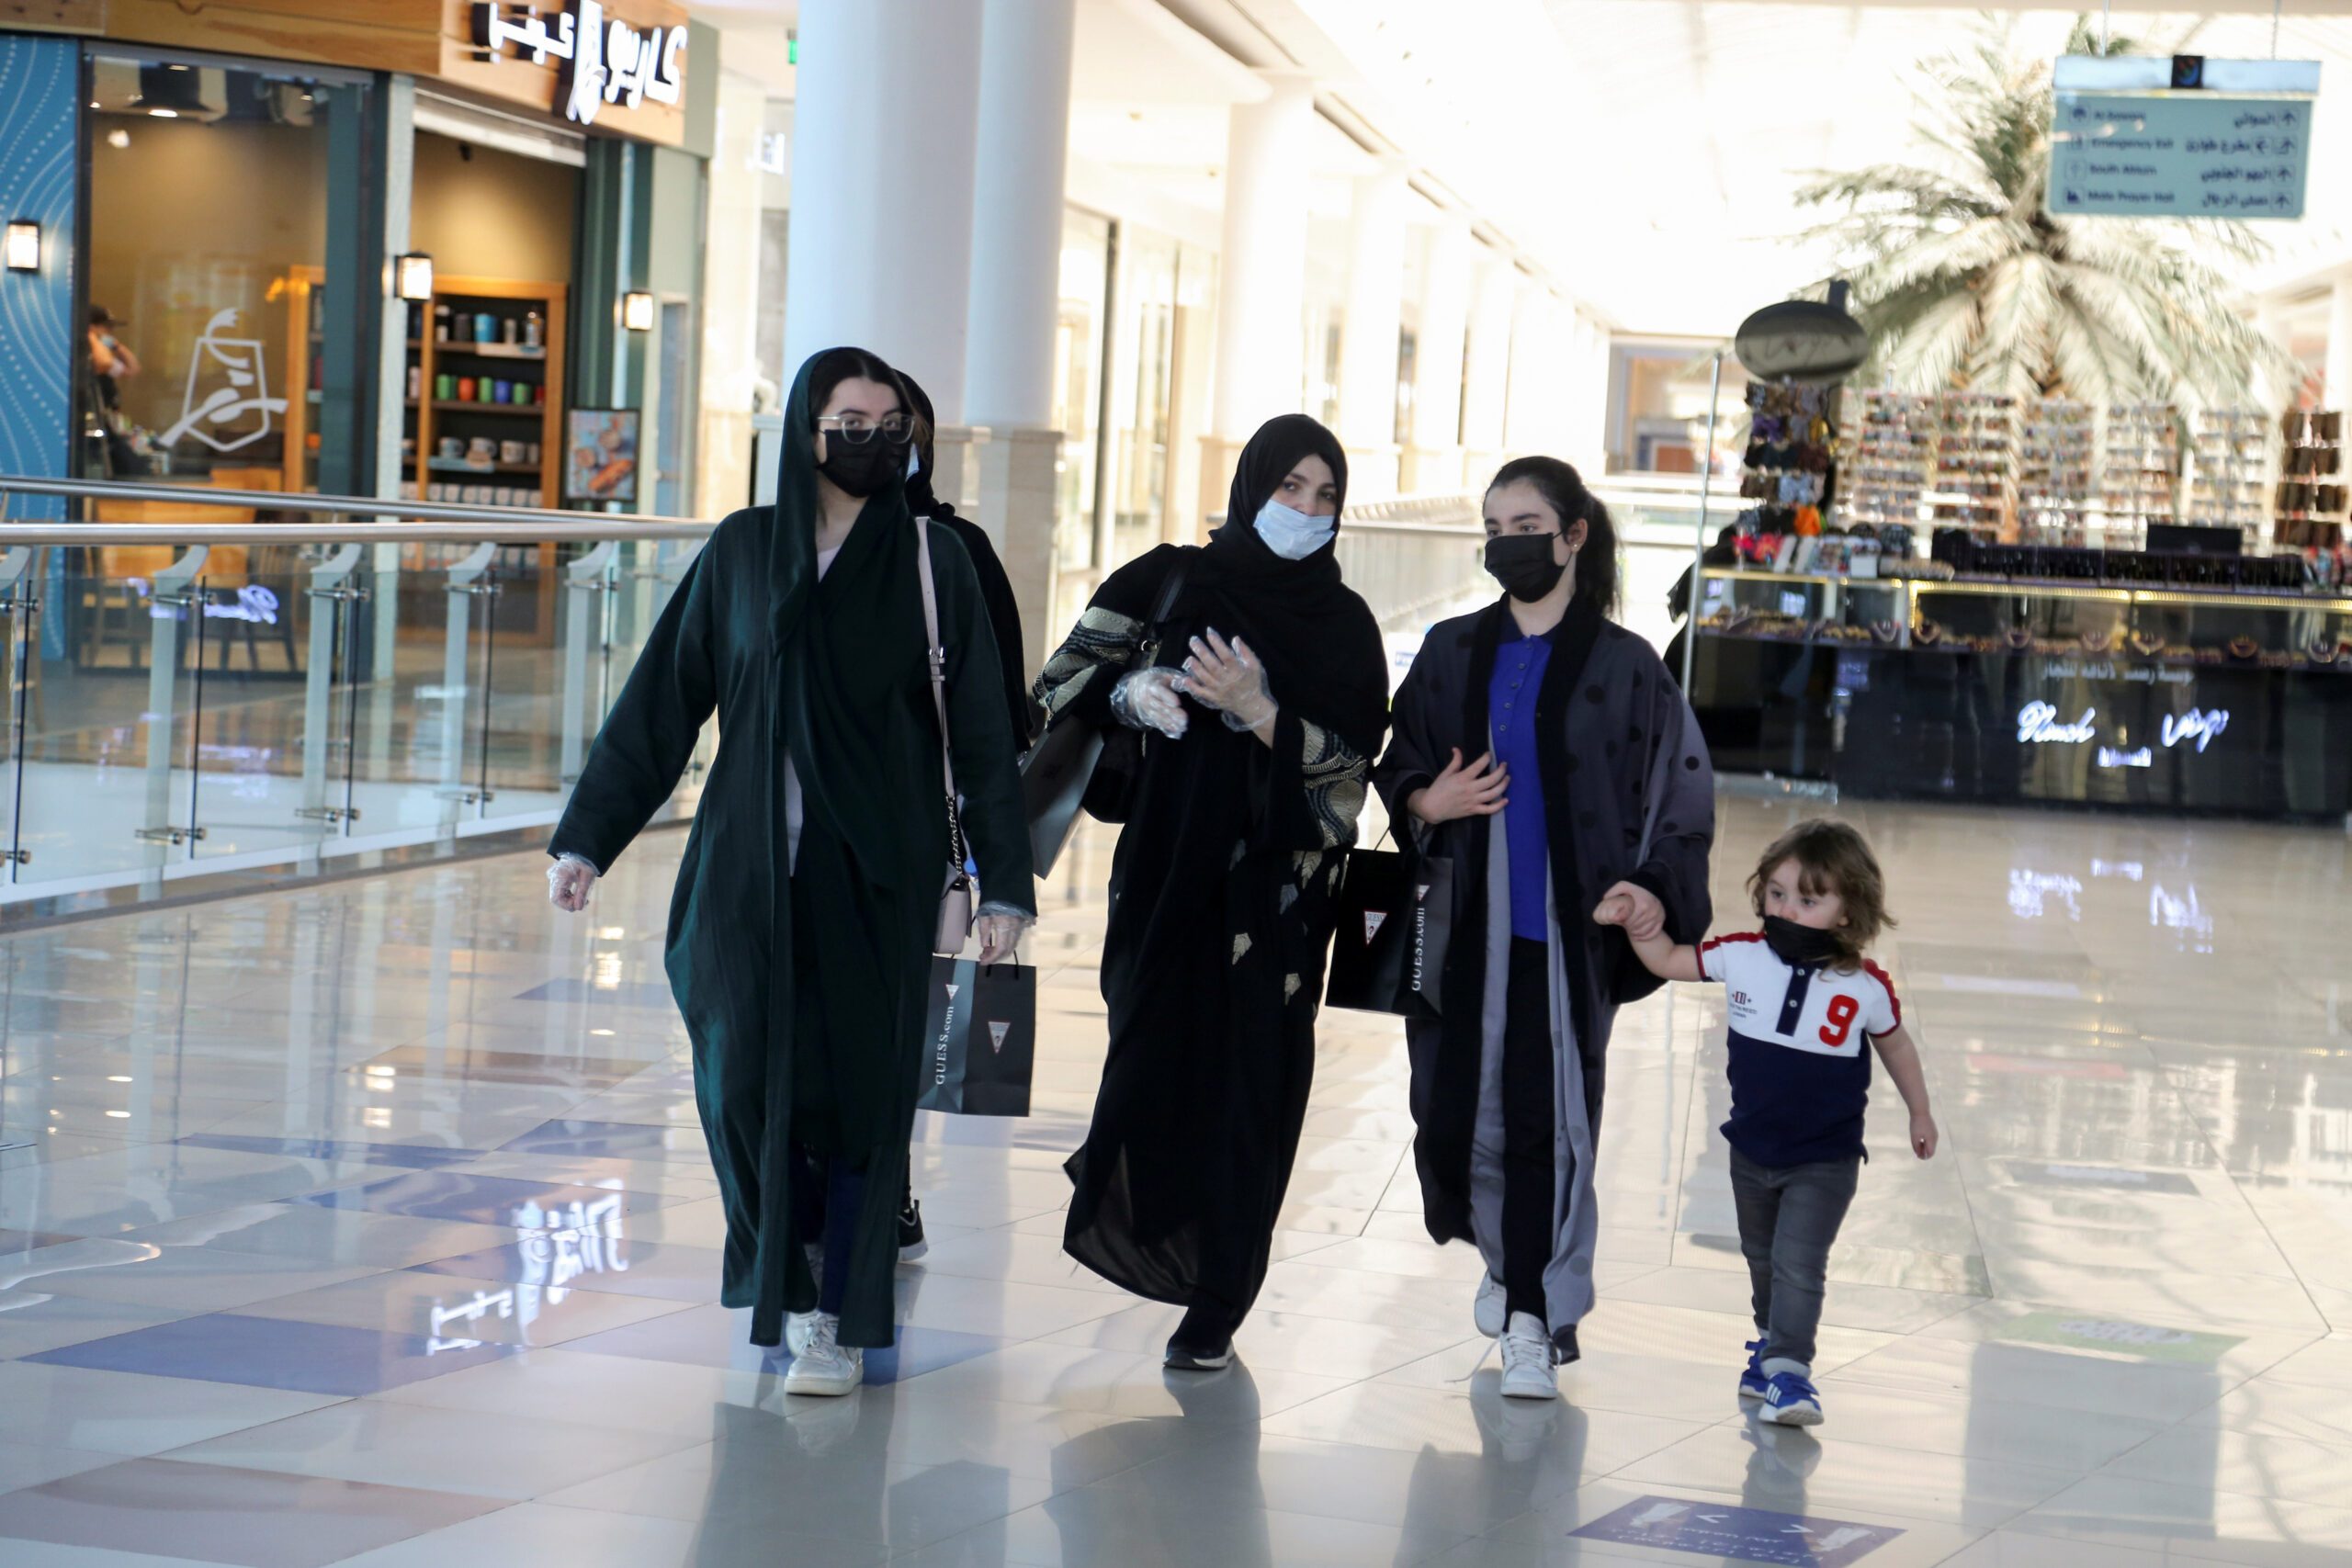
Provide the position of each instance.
(370, 1223)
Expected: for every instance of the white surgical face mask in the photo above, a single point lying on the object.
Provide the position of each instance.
(1291, 534)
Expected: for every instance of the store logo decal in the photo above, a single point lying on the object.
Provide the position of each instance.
(2199, 725)
(231, 374)
(2037, 723)
(2113, 757)
(1373, 921)
(604, 62)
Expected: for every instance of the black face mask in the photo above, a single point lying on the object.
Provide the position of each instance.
(862, 470)
(1523, 563)
(1799, 946)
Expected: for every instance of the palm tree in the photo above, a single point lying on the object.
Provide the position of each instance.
(1963, 278)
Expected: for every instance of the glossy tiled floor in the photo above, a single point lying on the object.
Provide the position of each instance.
(371, 1223)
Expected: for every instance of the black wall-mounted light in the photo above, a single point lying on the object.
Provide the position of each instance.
(24, 245)
(413, 276)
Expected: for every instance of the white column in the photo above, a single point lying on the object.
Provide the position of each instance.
(1262, 268)
(882, 174)
(1530, 364)
(2337, 393)
(1013, 305)
(1488, 377)
(1022, 146)
(1368, 332)
(1436, 459)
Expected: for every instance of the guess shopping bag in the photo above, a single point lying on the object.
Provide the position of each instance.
(979, 1038)
(1396, 910)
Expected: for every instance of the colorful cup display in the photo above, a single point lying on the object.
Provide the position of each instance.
(485, 328)
(465, 389)
(445, 387)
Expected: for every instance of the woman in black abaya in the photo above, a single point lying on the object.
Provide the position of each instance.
(801, 933)
(1263, 710)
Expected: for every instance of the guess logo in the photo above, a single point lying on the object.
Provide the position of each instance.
(997, 1031)
(1373, 921)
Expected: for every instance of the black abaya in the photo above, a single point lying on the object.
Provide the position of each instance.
(1221, 898)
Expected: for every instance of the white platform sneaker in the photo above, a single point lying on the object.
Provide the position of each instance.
(827, 1367)
(1487, 1309)
(1528, 1368)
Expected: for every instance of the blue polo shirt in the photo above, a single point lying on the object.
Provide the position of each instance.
(1520, 663)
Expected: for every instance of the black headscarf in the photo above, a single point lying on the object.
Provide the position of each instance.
(841, 699)
(919, 498)
(1307, 624)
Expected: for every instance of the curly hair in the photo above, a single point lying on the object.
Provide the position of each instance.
(1831, 858)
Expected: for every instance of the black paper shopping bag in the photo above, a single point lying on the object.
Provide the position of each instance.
(1389, 948)
(979, 1038)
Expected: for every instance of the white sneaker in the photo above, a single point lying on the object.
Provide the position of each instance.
(797, 1328)
(1528, 1371)
(828, 1368)
(1487, 1309)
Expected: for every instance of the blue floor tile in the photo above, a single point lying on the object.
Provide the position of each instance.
(416, 1157)
(602, 1140)
(261, 1352)
(485, 1200)
(635, 993)
(719, 1336)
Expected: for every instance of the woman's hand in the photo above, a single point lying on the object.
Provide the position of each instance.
(1000, 936)
(570, 881)
(1147, 700)
(1635, 907)
(1228, 678)
(1474, 791)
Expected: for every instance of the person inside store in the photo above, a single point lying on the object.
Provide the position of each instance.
(1544, 751)
(1004, 623)
(1260, 695)
(809, 895)
(111, 362)
(1725, 551)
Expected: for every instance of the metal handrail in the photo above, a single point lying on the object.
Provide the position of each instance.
(433, 521)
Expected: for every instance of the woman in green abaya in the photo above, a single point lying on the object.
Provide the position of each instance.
(801, 931)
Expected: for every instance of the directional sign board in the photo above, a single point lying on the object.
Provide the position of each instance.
(1750, 1535)
(2179, 155)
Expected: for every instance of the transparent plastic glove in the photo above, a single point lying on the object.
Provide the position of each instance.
(1228, 678)
(1001, 927)
(1147, 700)
(570, 881)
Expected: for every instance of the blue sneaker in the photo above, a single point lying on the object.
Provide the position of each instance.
(1791, 1400)
(1753, 1383)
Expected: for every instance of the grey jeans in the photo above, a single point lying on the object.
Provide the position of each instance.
(1789, 1216)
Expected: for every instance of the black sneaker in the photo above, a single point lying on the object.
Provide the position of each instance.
(911, 1245)
(1203, 1342)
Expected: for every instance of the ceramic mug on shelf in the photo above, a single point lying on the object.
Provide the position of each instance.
(465, 389)
(511, 452)
(452, 447)
(482, 450)
(444, 387)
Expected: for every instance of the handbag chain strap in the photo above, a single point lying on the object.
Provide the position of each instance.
(937, 655)
(1148, 650)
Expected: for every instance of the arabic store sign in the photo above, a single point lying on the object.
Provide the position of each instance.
(601, 60)
(2040, 723)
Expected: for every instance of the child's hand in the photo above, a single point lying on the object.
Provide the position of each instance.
(1923, 1134)
(1633, 907)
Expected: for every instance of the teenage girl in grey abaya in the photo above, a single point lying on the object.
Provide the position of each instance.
(1263, 709)
(1546, 753)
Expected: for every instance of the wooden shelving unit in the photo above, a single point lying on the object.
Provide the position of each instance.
(465, 360)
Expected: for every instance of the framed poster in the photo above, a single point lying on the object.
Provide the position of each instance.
(600, 455)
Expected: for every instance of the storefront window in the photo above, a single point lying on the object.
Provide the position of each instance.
(1078, 381)
(217, 349)
(1147, 338)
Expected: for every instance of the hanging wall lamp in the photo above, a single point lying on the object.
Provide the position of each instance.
(636, 311)
(24, 245)
(413, 276)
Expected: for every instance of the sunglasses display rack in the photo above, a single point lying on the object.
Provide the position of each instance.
(2054, 472)
(1976, 461)
(1890, 437)
(2140, 483)
(2228, 485)
(2308, 506)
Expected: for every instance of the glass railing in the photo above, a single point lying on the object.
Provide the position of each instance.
(207, 696)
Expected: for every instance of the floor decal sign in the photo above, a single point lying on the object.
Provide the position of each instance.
(1751, 1535)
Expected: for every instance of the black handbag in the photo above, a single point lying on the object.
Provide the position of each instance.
(981, 1038)
(1077, 765)
(1388, 950)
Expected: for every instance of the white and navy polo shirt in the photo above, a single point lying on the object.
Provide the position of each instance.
(1799, 1065)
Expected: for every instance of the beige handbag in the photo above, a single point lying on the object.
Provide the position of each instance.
(956, 902)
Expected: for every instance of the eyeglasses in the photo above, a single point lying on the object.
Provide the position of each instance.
(857, 430)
